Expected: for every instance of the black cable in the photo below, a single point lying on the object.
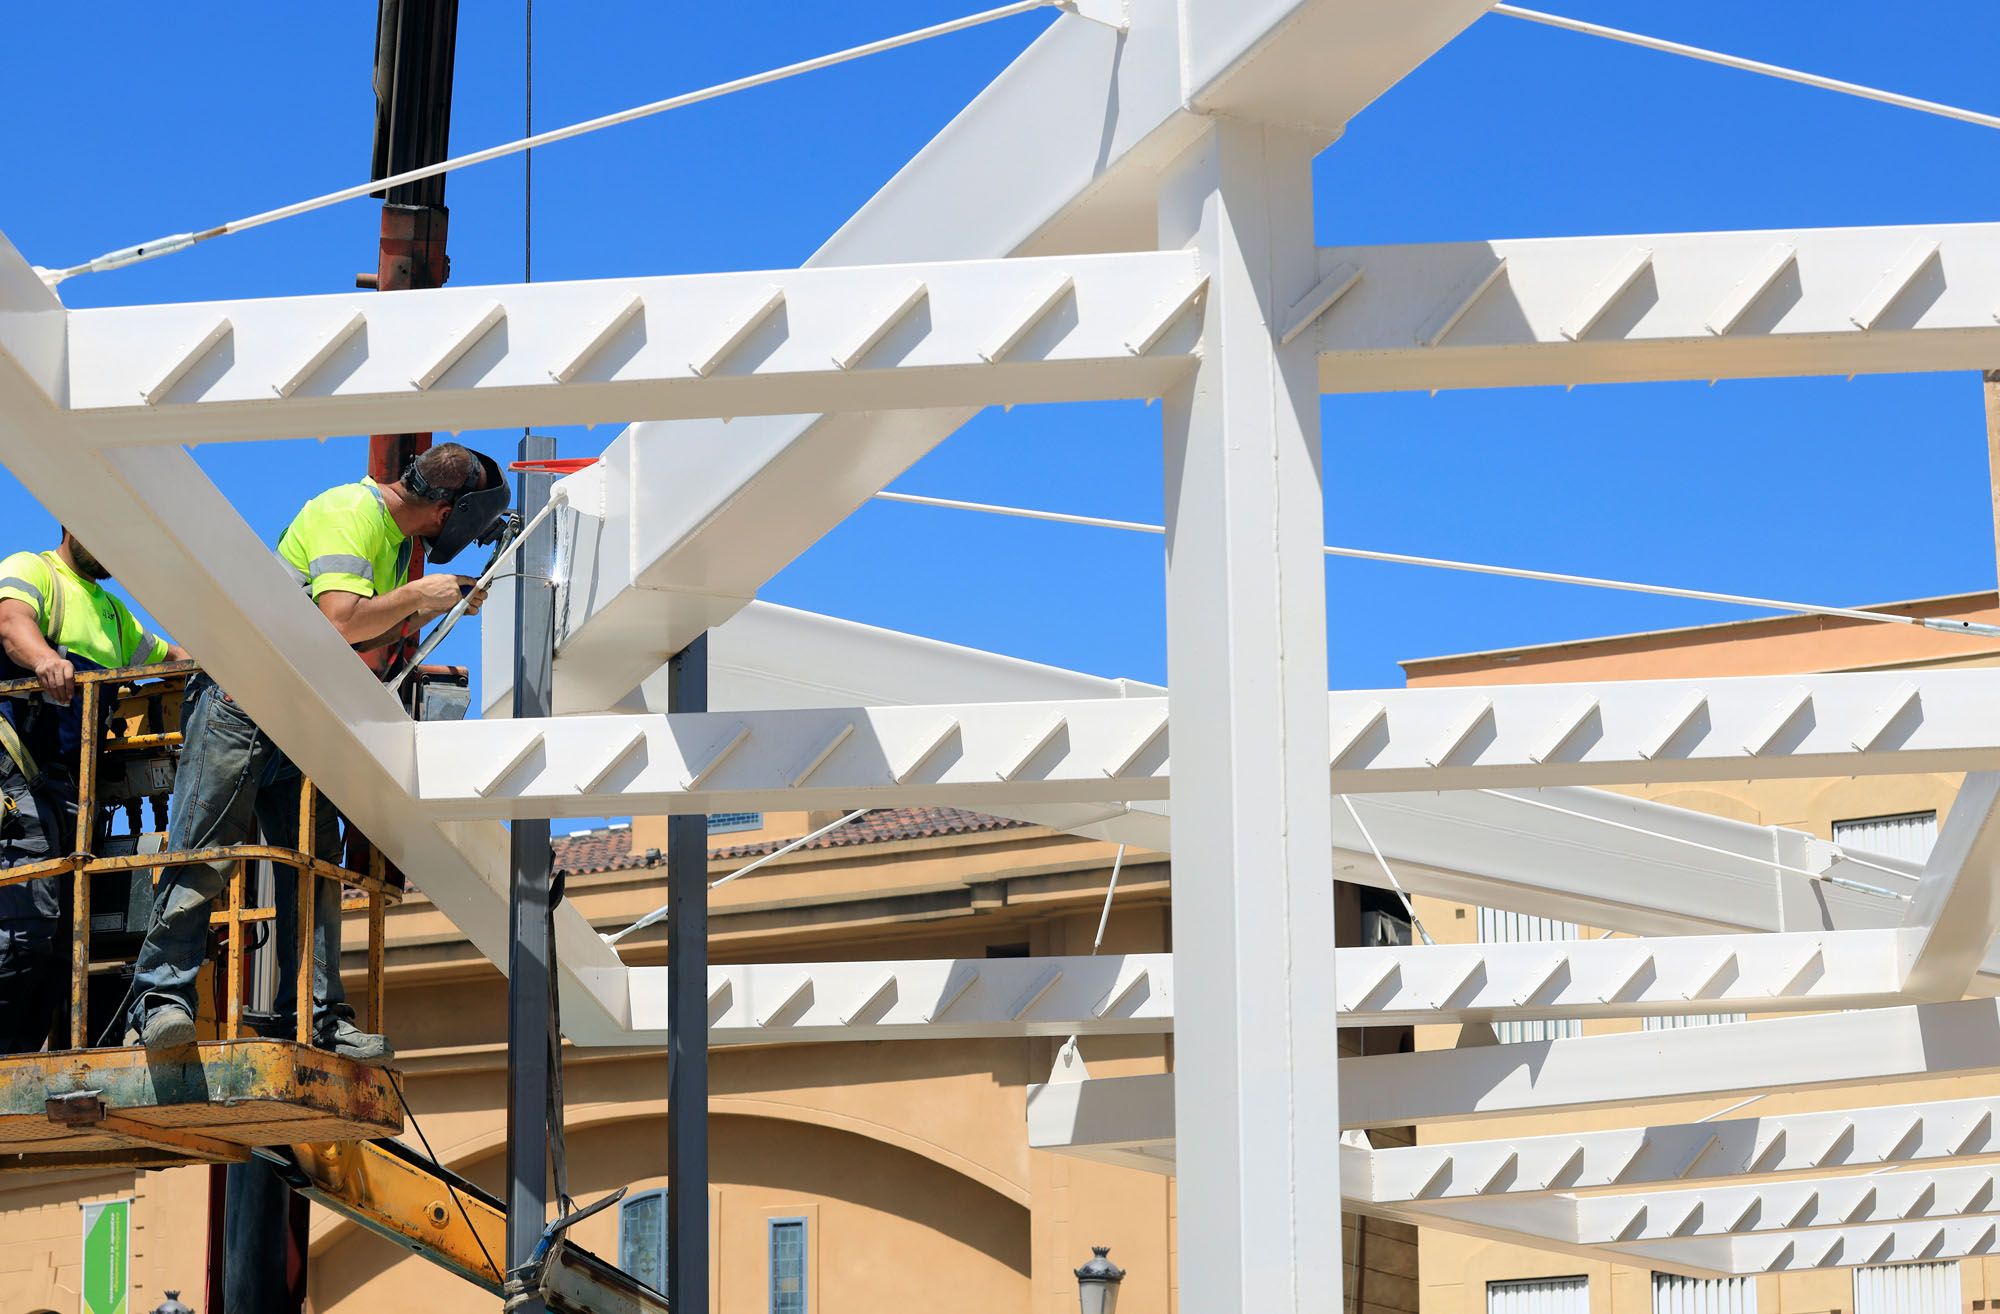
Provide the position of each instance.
(418, 1128)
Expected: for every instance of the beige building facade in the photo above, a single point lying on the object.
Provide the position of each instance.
(853, 1178)
(848, 1178)
(1894, 814)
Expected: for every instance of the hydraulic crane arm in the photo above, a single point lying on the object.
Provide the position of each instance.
(430, 1210)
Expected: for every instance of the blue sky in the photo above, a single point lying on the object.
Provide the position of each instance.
(1822, 490)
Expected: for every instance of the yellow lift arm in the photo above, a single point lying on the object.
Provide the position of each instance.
(397, 1193)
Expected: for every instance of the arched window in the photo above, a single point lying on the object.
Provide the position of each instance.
(642, 1237)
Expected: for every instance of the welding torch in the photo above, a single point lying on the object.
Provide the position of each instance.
(511, 540)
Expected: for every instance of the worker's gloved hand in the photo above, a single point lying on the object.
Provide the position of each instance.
(58, 677)
(437, 594)
(474, 601)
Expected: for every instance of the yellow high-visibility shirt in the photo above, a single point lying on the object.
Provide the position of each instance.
(95, 626)
(345, 540)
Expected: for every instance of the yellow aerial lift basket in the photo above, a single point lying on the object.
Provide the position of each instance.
(90, 1107)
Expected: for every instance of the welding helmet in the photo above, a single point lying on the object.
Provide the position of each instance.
(478, 510)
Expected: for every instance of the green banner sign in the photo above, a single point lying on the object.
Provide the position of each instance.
(106, 1238)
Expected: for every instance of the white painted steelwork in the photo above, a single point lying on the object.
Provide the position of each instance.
(1379, 741)
(569, 353)
(1019, 259)
(1704, 306)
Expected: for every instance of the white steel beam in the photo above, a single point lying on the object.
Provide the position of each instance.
(480, 357)
(1062, 153)
(1908, 1243)
(942, 999)
(954, 998)
(1115, 749)
(1615, 1170)
(1955, 913)
(1124, 1121)
(1816, 1204)
(1246, 661)
(1605, 860)
(1652, 731)
(1834, 1050)
(1678, 1156)
(1612, 861)
(1800, 1252)
(1620, 978)
(1665, 306)
(727, 761)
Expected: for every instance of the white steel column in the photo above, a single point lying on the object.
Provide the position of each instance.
(1255, 1061)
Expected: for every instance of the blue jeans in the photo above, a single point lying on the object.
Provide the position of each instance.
(231, 780)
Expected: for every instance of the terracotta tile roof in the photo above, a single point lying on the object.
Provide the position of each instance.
(588, 852)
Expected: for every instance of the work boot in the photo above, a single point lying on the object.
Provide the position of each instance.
(365, 1048)
(166, 1027)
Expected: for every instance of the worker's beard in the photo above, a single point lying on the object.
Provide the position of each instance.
(87, 565)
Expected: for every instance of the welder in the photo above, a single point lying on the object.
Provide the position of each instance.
(349, 548)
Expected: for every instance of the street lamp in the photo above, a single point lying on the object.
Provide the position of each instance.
(172, 1305)
(1097, 1283)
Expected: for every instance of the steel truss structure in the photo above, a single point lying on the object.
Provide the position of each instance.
(1126, 213)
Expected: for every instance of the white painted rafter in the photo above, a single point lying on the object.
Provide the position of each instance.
(1116, 750)
(1781, 1206)
(856, 339)
(1664, 306)
(939, 999)
(1636, 1159)
(1879, 1045)
(1620, 978)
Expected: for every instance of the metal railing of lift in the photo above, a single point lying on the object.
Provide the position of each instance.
(236, 914)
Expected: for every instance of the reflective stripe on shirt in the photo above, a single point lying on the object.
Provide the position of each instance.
(16, 582)
(344, 541)
(339, 563)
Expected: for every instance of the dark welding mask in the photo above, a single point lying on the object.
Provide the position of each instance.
(478, 511)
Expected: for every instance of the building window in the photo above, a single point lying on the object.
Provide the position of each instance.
(1909, 835)
(722, 823)
(1563, 1295)
(1678, 1020)
(1500, 927)
(788, 1266)
(642, 1237)
(1907, 1289)
(1685, 1295)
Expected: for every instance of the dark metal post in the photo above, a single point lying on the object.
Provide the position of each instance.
(687, 1020)
(530, 955)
